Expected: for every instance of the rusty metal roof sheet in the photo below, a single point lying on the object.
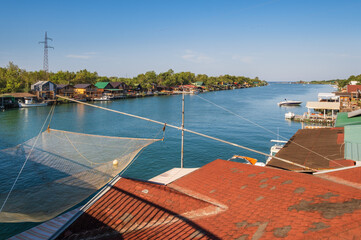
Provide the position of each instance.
(320, 148)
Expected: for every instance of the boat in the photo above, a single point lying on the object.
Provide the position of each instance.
(102, 98)
(289, 115)
(247, 160)
(29, 102)
(289, 103)
(275, 148)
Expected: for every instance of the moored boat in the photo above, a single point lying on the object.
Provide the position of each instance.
(102, 98)
(289, 103)
(275, 148)
(289, 115)
(29, 102)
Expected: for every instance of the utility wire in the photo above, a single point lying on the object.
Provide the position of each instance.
(190, 131)
(239, 116)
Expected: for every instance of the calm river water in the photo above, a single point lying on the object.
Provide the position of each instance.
(257, 105)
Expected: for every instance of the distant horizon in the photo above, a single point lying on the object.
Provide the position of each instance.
(274, 40)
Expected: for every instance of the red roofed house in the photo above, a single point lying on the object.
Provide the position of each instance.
(355, 91)
(225, 200)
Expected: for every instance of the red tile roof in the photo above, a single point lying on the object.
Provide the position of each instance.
(351, 176)
(225, 200)
(353, 88)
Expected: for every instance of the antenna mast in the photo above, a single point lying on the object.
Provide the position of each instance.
(46, 46)
(182, 146)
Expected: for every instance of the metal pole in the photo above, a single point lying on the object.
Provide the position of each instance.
(182, 148)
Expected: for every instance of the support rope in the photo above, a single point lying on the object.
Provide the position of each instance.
(190, 131)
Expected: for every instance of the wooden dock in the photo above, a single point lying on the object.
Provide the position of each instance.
(316, 118)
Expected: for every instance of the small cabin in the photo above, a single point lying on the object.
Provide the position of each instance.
(65, 90)
(89, 90)
(355, 91)
(103, 87)
(44, 89)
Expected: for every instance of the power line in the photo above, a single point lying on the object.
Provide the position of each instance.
(46, 46)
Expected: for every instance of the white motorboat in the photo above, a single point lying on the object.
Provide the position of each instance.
(29, 102)
(102, 98)
(289, 115)
(289, 103)
(275, 148)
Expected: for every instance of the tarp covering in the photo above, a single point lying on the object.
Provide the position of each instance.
(323, 105)
(353, 142)
(63, 169)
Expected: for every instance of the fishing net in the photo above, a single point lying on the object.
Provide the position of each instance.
(63, 169)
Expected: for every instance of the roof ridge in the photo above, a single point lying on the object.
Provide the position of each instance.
(339, 180)
(197, 196)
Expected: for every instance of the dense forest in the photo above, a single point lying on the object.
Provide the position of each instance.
(14, 79)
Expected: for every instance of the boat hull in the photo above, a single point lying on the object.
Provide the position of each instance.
(24, 105)
(289, 103)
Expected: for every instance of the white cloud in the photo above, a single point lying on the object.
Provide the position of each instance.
(196, 57)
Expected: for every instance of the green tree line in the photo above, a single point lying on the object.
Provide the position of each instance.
(14, 79)
(340, 82)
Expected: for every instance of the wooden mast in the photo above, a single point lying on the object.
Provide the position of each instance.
(182, 146)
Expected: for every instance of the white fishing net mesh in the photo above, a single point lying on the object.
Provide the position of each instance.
(63, 169)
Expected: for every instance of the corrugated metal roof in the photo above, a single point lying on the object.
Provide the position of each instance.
(101, 85)
(115, 84)
(354, 113)
(323, 144)
(343, 120)
(224, 200)
(343, 94)
(83, 85)
(353, 142)
(323, 105)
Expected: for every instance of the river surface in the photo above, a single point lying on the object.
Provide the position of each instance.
(248, 117)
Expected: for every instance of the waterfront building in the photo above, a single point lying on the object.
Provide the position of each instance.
(85, 89)
(120, 85)
(355, 91)
(345, 101)
(199, 84)
(65, 90)
(44, 90)
(326, 107)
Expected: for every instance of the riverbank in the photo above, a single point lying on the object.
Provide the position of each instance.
(10, 100)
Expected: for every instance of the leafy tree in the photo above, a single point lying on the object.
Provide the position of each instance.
(84, 76)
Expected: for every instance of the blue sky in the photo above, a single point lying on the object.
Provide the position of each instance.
(276, 40)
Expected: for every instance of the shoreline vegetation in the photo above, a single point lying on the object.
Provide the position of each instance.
(339, 82)
(14, 79)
